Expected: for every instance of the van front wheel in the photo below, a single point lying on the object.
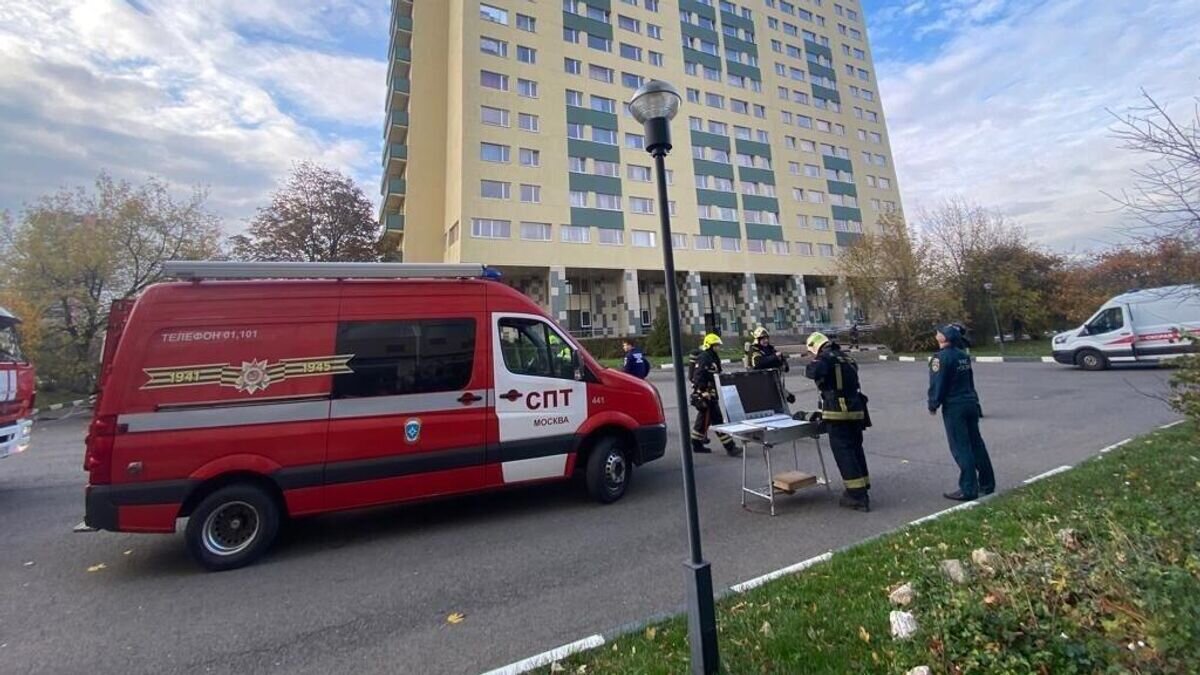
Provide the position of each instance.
(608, 471)
(1090, 359)
(232, 527)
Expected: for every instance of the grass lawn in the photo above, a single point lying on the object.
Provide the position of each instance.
(47, 398)
(1120, 595)
(1019, 348)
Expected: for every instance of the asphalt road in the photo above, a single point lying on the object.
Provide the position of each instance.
(369, 592)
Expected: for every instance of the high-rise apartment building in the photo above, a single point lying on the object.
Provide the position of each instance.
(508, 142)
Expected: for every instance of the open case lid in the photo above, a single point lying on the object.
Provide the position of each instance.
(751, 394)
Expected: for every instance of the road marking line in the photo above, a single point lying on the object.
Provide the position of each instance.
(548, 657)
(781, 572)
(1114, 446)
(934, 516)
(1047, 474)
(908, 359)
(989, 359)
(1172, 424)
(883, 357)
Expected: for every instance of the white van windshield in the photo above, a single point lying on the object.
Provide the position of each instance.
(1106, 321)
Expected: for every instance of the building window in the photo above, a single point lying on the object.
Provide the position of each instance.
(452, 235)
(629, 24)
(756, 246)
(825, 250)
(602, 104)
(604, 168)
(641, 205)
(574, 234)
(803, 248)
(579, 199)
(820, 223)
(605, 136)
(608, 202)
(574, 130)
(780, 248)
(731, 244)
(494, 189)
(704, 242)
(679, 242)
(493, 46)
(631, 52)
(493, 14)
(656, 59)
(631, 81)
(572, 66)
(526, 54)
(600, 73)
(490, 80)
(635, 141)
(574, 98)
(640, 174)
(527, 23)
(491, 152)
(610, 237)
(535, 231)
(530, 157)
(644, 239)
(598, 43)
(488, 228)
(528, 122)
(493, 117)
(531, 194)
(653, 31)
(527, 88)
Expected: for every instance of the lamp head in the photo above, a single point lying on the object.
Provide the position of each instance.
(654, 99)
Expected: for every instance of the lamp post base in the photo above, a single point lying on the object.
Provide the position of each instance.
(702, 619)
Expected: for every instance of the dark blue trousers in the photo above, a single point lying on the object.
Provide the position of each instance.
(967, 447)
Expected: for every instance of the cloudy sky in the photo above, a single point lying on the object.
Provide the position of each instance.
(1000, 101)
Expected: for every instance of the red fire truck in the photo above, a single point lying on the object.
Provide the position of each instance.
(255, 391)
(16, 389)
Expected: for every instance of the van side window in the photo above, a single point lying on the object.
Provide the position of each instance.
(1109, 320)
(532, 347)
(405, 357)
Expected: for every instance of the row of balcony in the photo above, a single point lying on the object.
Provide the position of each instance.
(396, 121)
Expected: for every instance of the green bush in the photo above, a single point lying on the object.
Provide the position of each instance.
(1185, 383)
(906, 338)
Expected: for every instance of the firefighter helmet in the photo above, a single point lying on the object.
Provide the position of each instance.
(711, 340)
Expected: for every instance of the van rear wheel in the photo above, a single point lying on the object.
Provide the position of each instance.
(608, 470)
(1090, 359)
(232, 527)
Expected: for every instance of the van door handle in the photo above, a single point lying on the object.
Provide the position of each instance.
(469, 398)
(511, 395)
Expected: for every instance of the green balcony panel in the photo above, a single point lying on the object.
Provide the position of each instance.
(837, 187)
(703, 138)
(847, 213)
(700, 33)
(826, 93)
(728, 19)
(395, 151)
(401, 84)
(403, 23)
(753, 148)
(751, 72)
(399, 118)
(599, 4)
(581, 148)
(822, 71)
(601, 218)
(586, 182)
(595, 118)
(757, 203)
(700, 8)
(746, 173)
(837, 163)
(740, 44)
(720, 228)
(704, 167)
(847, 238)
(767, 232)
(394, 186)
(589, 26)
(395, 222)
(716, 198)
(694, 56)
(820, 50)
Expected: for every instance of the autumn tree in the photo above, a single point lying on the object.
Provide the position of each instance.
(70, 254)
(318, 215)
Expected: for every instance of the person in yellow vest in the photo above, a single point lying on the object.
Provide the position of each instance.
(844, 409)
(704, 397)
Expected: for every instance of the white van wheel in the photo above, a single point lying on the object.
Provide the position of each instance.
(1090, 359)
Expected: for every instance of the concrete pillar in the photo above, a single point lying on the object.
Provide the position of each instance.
(751, 308)
(633, 304)
(692, 305)
(797, 302)
(557, 286)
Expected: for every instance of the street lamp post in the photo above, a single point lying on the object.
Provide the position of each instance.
(655, 104)
(987, 287)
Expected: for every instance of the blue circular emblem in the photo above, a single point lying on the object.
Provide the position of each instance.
(412, 430)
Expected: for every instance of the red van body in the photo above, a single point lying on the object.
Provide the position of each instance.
(320, 395)
(17, 390)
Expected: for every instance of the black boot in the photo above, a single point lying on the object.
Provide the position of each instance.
(700, 447)
(854, 501)
(733, 450)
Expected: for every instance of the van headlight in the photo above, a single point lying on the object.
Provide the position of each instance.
(1059, 339)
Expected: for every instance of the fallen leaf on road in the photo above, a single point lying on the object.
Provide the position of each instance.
(862, 633)
(456, 617)
(129, 552)
(651, 632)
(29, 563)
(97, 568)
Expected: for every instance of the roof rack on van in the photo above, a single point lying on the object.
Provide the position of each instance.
(213, 269)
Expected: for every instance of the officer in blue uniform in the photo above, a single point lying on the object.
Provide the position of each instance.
(952, 388)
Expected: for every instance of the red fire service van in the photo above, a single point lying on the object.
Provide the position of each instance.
(251, 392)
(16, 389)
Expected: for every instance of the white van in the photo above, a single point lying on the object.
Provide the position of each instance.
(1138, 326)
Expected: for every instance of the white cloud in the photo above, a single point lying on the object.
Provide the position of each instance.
(176, 89)
(1011, 111)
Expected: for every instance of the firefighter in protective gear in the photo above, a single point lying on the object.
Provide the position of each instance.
(844, 410)
(762, 355)
(704, 397)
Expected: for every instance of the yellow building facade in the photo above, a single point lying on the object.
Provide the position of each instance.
(508, 142)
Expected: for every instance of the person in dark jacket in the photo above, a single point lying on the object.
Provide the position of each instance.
(762, 355)
(704, 397)
(844, 410)
(636, 363)
(952, 388)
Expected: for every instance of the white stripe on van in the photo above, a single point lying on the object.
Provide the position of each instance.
(407, 404)
(554, 466)
(226, 416)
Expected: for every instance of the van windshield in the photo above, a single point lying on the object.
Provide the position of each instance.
(10, 348)
(1106, 321)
